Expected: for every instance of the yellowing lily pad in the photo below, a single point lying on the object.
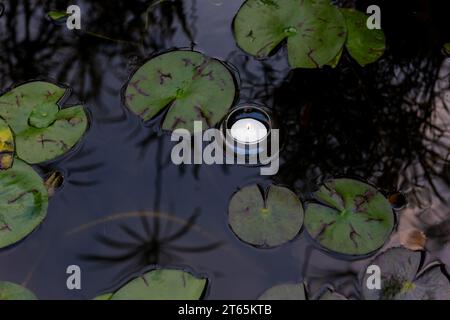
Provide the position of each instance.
(6, 146)
(402, 280)
(267, 220)
(42, 131)
(364, 45)
(188, 85)
(315, 30)
(12, 291)
(351, 217)
(160, 284)
(23, 202)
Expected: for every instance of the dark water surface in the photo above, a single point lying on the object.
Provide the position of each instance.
(374, 123)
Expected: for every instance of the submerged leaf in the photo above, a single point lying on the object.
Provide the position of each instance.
(42, 131)
(315, 30)
(267, 222)
(352, 217)
(23, 202)
(192, 86)
(364, 45)
(160, 284)
(400, 279)
(6, 146)
(12, 291)
(287, 291)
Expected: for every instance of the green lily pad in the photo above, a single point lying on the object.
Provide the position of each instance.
(352, 217)
(23, 202)
(192, 86)
(42, 131)
(364, 45)
(265, 220)
(6, 146)
(286, 291)
(402, 280)
(12, 291)
(315, 30)
(160, 284)
(57, 15)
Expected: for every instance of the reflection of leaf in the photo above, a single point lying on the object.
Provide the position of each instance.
(12, 291)
(265, 222)
(23, 202)
(447, 48)
(400, 279)
(6, 146)
(363, 44)
(315, 30)
(192, 86)
(160, 284)
(42, 131)
(352, 217)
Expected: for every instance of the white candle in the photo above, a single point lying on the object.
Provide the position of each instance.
(248, 130)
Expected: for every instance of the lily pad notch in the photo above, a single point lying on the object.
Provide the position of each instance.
(265, 219)
(316, 32)
(42, 129)
(183, 86)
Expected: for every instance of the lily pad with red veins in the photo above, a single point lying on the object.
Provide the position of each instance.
(187, 85)
(350, 217)
(41, 129)
(315, 31)
(402, 279)
(23, 202)
(160, 284)
(265, 220)
(364, 45)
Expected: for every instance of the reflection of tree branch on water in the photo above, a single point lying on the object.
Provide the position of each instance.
(135, 250)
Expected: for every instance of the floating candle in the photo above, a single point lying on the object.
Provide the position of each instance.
(248, 131)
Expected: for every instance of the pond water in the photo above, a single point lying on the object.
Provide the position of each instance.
(124, 206)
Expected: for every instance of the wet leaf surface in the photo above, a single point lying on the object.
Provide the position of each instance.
(265, 220)
(6, 146)
(192, 86)
(401, 279)
(42, 131)
(364, 45)
(351, 217)
(12, 291)
(315, 30)
(23, 202)
(160, 284)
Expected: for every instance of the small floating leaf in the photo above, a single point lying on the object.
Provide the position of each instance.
(265, 222)
(23, 202)
(315, 30)
(352, 217)
(287, 291)
(400, 279)
(6, 146)
(161, 284)
(192, 86)
(57, 15)
(364, 45)
(42, 131)
(12, 291)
